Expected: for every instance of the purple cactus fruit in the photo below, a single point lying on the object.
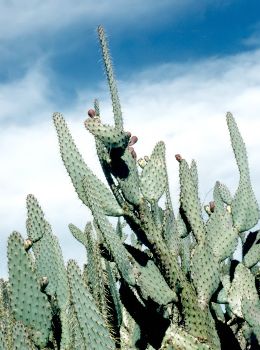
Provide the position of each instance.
(128, 133)
(133, 140)
(132, 151)
(178, 157)
(91, 113)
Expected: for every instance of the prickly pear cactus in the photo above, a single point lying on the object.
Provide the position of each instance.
(174, 285)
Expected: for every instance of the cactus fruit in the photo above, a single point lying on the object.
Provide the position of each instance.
(176, 285)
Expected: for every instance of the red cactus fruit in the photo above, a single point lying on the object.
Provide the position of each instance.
(133, 140)
(178, 157)
(91, 113)
(132, 151)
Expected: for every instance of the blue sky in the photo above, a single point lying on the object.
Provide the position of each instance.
(141, 36)
(180, 67)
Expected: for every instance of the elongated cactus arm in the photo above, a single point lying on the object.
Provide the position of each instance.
(111, 79)
(153, 179)
(221, 235)
(190, 202)
(78, 169)
(252, 255)
(111, 238)
(244, 207)
(28, 303)
(93, 327)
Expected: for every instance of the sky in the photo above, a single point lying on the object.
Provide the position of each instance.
(180, 67)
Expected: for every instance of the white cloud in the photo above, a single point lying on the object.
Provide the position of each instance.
(188, 108)
(184, 105)
(21, 17)
(27, 97)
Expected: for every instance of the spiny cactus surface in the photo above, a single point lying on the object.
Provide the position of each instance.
(174, 285)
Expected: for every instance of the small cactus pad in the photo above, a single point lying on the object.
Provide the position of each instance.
(28, 303)
(93, 328)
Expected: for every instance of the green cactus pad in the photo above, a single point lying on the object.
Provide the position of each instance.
(190, 201)
(35, 219)
(152, 285)
(112, 240)
(110, 136)
(3, 342)
(243, 286)
(129, 331)
(48, 256)
(251, 313)
(104, 156)
(96, 274)
(153, 179)
(95, 334)
(244, 207)
(222, 297)
(111, 80)
(29, 304)
(129, 183)
(75, 333)
(78, 234)
(114, 293)
(6, 320)
(218, 311)
(198, 320)
(221, 235)
(204, 272)
(77, 170)
(120, 231)
(252, 257)
(49, 264)
(177, 338)
(171, 234)
(185, 249)
(96, 107)
(181, 227)
(194, 175)
(21, 340)
(224, 193)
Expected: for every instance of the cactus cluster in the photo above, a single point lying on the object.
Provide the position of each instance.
(158, 280)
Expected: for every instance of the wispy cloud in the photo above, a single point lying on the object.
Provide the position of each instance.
(253, 40)
(27, 98)
(184, 105)
(23, 17)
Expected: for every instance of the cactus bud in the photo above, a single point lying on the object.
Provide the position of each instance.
(141, 162)
(229, 209)
(207, 209)
(27, 244)
(212, 206)
(44, 282)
